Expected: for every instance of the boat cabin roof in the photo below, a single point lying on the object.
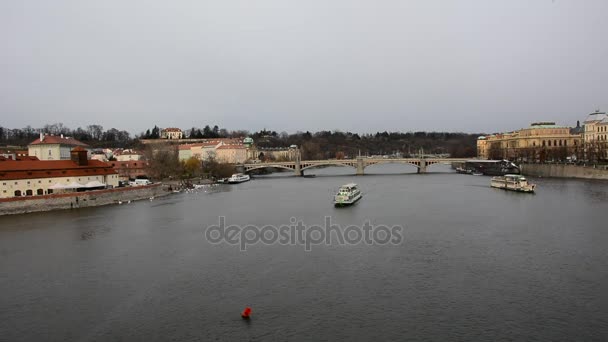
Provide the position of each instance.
(520, 177)
(349, 186)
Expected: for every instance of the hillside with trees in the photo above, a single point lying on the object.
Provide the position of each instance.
(317, 145)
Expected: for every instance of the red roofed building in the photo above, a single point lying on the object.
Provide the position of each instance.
(53, 147)
(32, 177)
(11, 153)
(130, 169)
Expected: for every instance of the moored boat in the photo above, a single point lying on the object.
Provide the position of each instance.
(348, 194)
(238, 178)
(512, 182)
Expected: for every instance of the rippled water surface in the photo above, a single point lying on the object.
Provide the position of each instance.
(475, 264)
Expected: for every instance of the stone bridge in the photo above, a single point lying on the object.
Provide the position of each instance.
(299, 166)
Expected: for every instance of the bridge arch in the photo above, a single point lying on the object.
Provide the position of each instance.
(258, 167)
(389, 161)
(431, 163)
(312, 166)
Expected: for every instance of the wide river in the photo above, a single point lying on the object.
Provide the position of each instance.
(473, 263)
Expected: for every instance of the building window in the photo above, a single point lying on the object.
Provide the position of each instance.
(15, 183)
(40, 192)
(554, 142)
(565, 142)
(29, 192)
(49, 191)
(39, 182)
(17, 193)
(549, 143)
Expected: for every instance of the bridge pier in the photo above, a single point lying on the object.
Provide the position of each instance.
(422, 167)
(360, 166)
(298, 167)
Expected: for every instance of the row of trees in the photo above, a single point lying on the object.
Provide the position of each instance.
(206, 132)
(337, 144)
(93, 135)
(163, 163)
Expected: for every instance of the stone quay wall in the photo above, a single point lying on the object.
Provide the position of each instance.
(563, 171)
(30, 204)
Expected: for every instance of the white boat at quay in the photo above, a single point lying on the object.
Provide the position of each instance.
(347, 195)
(512, 182)
(238, 178)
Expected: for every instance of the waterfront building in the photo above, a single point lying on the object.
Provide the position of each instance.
(231, 153)
(31, 176)
(596, 133)
(130, 169)
(171, 133)
(234, 151)
(54, 147)
(207, 149)
(542, 141)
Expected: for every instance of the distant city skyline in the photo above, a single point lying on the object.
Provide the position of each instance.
(470, 66)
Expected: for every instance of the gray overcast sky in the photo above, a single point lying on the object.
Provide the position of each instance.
(363, 66)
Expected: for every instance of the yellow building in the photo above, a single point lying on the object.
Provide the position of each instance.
(542, 141)
(53, 147)
(231, 153)
(33, 177)
(596, 133)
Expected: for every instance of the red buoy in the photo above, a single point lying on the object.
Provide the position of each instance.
(246, 313)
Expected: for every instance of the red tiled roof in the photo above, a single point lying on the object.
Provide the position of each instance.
(172, 129)
(27, 169)
(55, 139)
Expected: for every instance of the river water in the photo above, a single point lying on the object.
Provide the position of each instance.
(474, 263)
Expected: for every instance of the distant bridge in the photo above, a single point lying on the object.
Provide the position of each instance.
(299, 166)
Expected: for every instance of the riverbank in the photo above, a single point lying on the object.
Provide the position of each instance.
(563, 171)
(22, 205)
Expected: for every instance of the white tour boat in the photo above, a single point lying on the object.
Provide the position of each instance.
(513, 183)
(347, 195)
(238, 178)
